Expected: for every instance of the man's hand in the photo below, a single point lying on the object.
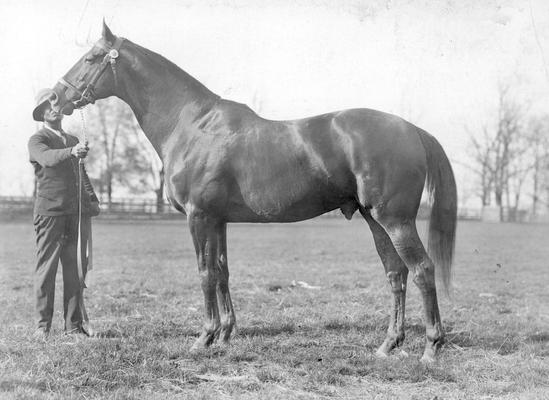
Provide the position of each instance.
(80, 150)
(94, 209)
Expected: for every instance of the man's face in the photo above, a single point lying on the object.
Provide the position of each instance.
(51, 116)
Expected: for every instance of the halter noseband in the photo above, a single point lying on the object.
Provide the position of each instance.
(88, 95)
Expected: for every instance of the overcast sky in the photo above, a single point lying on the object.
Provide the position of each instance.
(436, 64)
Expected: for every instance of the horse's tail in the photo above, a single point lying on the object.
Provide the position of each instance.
(441, 187)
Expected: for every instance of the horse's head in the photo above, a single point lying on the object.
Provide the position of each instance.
(93, 77)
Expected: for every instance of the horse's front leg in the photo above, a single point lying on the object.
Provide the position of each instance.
(223, 295)
(204, 232)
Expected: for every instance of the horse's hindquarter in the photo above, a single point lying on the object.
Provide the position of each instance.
(386, 157)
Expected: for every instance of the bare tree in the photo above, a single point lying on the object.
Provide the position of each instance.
(507, 142)
(155, 166)
(482, 164)
(105, 121)
(538, 139)
(500, 156)
(519, 168)
(123, 162)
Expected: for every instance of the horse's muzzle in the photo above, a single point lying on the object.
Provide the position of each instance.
(68, 108)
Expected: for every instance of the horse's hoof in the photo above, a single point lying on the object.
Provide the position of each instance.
(430, 353)
(198, 346)
(428, 359)
(381, 353)
(195, 349)
(386, 348)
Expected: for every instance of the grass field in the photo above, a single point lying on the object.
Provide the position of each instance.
(292, 342)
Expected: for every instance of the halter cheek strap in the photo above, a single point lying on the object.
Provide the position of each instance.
(88, 95)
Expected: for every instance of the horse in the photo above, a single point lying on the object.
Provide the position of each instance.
(225, 164)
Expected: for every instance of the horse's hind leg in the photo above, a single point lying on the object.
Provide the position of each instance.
(224, 302)
(397, 275)
(204, 232)
(407, 243)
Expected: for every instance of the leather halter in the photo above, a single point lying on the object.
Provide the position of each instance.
(88, 95)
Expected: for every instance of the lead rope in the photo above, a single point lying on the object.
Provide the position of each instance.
(87, 253)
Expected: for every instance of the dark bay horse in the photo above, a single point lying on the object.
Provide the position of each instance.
(224, 163)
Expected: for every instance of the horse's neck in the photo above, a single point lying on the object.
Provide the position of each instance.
(162, 95)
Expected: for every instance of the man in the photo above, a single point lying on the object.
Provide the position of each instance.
(55, 156)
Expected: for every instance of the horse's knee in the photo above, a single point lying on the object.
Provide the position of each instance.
(208, 279)
(397, 281)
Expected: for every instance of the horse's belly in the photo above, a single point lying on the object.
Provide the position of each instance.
(285, 204)
(294, 213)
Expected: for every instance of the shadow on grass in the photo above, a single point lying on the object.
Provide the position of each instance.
(10, 385)
(111, 334)
(405, 371)
(345, 326)
(173, 330)
(538, 337)
(163, 329)
(271, 330)
(291, 328)
(503, 344)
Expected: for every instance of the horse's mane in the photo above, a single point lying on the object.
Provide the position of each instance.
(173, 69)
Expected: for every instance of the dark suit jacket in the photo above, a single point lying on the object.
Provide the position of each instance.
(56, 172)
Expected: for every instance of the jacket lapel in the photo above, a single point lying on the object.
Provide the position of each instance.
(55, 139)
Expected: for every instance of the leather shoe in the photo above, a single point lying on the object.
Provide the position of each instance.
(78, 331)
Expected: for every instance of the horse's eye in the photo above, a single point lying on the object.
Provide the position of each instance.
(89, 59)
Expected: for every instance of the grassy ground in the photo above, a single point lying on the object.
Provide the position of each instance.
(292, 342)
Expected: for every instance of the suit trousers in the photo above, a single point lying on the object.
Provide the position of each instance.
(57, 239)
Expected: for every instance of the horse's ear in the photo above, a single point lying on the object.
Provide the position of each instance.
(107, 34)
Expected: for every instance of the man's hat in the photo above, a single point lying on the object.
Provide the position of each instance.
(42, 99)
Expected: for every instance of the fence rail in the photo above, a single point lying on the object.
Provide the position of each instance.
(123, 208)
(119, 208)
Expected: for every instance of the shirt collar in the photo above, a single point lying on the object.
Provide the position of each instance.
(61, 134)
